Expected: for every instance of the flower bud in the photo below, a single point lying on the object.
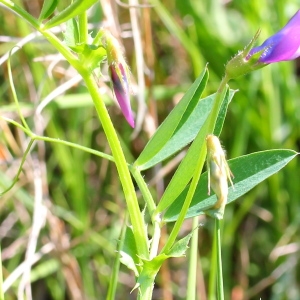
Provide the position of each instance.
(218, 175)
(119, 75)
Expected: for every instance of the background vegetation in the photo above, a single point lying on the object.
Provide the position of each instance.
(81, 192)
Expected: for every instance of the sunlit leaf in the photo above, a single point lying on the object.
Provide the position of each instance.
(73, 10)
(248, 170)
(177, 130)
(48, 9)
(186, 168)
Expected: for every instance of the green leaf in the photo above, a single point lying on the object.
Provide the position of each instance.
(177, 130)
(180, 247)
(73, 10)
(249, 171)
(71, 35)
(129, 251)
(48, 9)
(186, 168)
(223, 113)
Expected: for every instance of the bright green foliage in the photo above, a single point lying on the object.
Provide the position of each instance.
(71, 34)
(76, 8)
(48, 9)
(151, 267)
(186, 168)
(248, 171)
(128, 253)
(178, 129)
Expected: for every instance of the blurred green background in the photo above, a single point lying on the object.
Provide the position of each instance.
(261, 239)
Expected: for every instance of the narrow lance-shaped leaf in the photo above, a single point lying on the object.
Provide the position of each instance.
(186, 168)
(249, 170)
(168, 138)
(73, 10)
(48, 9)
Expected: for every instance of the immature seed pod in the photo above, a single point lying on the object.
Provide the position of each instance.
(218, 173)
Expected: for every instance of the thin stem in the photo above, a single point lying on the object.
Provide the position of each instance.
(192, 277)
(121, 164)
(73, 145)
(116, 267)
(20, 168)
(188, 200)
(21, 12)
(212, 271)
(220, 289)
(13, 90)
(217, 104)
(155, 240)
(208, 127)
(83, 28)
(1, 278)
(144, 190)
(59, 141)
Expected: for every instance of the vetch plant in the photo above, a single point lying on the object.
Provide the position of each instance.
(196, 122)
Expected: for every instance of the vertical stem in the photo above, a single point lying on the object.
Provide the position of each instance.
(121, 164)
(220, 289)
(151, 206)
(188, 200)
(83, 28)
(217, 104)
(1, 278)
(208, 127)
(192, 277)
(115, 271)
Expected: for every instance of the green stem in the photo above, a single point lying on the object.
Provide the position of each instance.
(20, 168)
(1, 278)
(212, 271)
(217, 104)
(13, 90)
(208, 127)
(155, 240)
(115, 271)
(21, 12)
(121, 164)
(220, 289)
(83, 28)
(188, 199)
(132, 203)
(144, 190)
(192, 277)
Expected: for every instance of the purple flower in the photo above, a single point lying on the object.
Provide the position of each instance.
(284, 45)
(121, 90)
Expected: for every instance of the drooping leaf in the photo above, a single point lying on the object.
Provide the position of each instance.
(248, 170)
(186, 168)
(48, 9)
(166, 141)
(73, 10)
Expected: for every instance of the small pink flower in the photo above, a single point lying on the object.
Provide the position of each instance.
(121, 90)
